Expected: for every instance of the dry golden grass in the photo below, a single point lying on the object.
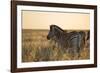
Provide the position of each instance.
(36, 47)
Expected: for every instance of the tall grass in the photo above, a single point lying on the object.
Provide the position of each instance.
(36, 47)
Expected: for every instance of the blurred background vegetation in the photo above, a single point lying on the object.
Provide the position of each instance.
(36, 47)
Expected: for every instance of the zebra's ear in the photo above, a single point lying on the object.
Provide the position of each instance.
(52, 26)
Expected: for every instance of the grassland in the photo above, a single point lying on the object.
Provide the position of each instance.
(36, 47)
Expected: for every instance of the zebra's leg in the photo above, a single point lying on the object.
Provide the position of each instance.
(78, 53)
(71, 53)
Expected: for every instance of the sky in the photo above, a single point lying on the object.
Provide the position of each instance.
(67, 21)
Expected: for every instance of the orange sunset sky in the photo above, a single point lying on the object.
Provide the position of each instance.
(42, 20)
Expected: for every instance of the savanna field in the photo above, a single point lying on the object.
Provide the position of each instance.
(36, 47)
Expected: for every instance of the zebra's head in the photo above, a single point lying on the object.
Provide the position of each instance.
(54, 32)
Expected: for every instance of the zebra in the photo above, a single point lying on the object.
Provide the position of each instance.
(72, 42)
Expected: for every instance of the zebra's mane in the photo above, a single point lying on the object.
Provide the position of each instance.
(56, 27)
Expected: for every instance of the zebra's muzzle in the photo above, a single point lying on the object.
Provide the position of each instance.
(48, 37)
